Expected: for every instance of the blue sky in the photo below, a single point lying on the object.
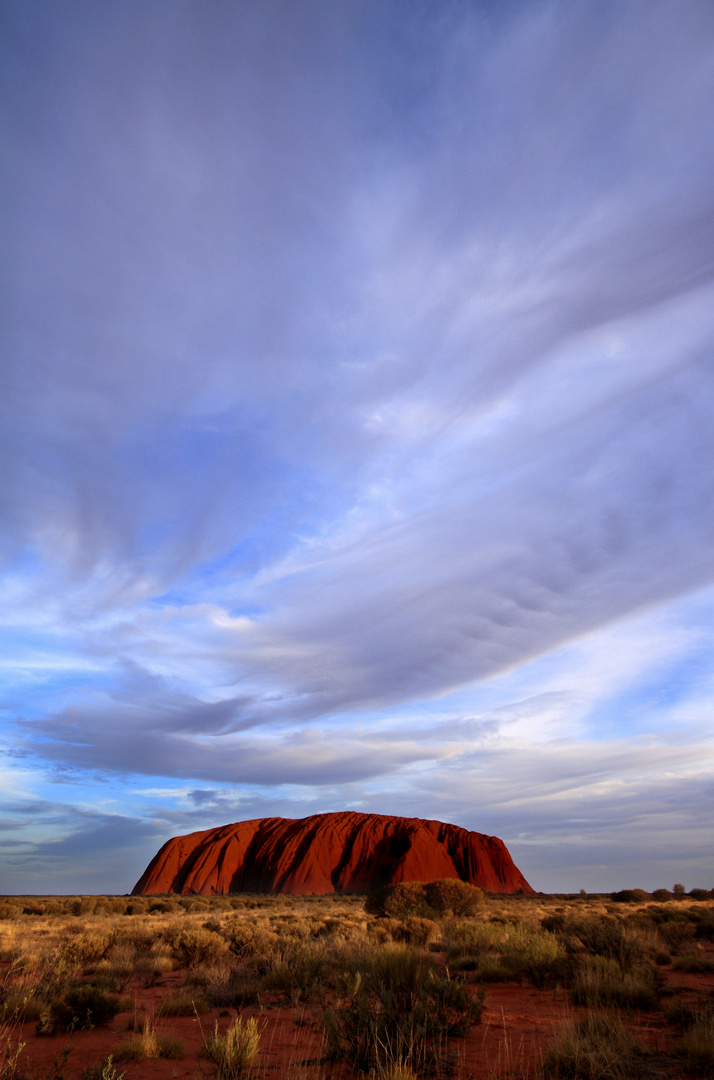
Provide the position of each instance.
(356, 428)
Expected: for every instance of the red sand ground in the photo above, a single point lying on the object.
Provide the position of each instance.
(509, 1043)
(342, 852)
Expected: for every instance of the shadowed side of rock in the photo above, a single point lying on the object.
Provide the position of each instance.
(342, 852)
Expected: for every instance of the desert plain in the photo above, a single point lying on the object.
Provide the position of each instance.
(316, 987)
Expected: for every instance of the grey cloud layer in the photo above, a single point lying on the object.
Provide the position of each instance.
(596, 815)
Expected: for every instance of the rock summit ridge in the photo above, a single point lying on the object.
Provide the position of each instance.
(343, 852)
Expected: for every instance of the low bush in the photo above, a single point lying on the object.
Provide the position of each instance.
(82, 1007)
(704, 923)
(150, 969)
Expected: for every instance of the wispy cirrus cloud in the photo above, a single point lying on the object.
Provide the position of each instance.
(358, 361)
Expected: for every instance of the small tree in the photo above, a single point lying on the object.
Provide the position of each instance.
(678, 890)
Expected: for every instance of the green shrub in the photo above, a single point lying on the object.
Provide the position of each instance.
(137, 906)
(540, 958)
(694, 962)
(630, 896)
(677, 933)
(679, 1014)
(81, 905)
(81, 1007)
(233, 986)
(400, 1013)
(413, 930)
(300, 973)
(162, 907)
(191, 947)
(598, 936)
(397, 901)
(86, 948)
(432, 899)
(261, 948)
(449, 896)
(704, 922)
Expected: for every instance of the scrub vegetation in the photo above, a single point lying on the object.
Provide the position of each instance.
(413, 981)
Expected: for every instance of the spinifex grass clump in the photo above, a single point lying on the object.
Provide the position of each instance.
(496, 951)
(596, 1047)
(183, 1003)
(697, 1043)
(300, 973)
(235, 1050)
(603, 982)
(399, 1013)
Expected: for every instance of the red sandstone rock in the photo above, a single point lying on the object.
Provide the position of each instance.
(326, 853)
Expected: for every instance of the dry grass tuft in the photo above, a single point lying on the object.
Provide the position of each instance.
(149, 1044)
(235, 1050)
(596, 1047)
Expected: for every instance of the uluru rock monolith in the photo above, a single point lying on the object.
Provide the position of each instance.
(342, 852)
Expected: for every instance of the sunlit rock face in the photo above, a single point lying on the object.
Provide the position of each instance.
(341, 852)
